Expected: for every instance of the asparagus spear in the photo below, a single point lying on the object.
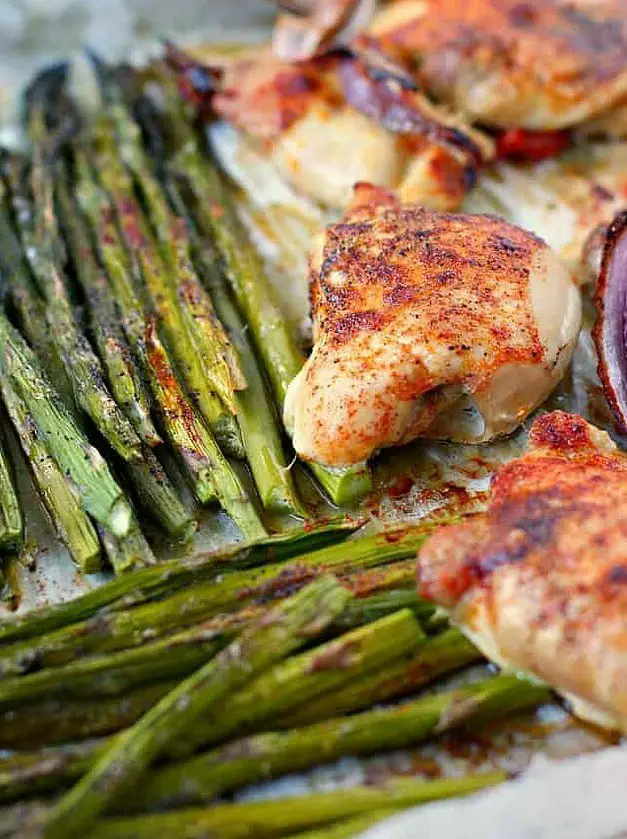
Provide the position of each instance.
(169, 577)
(278, 634)
(121, 629)
(256, 411)
(39, 237)
(28, 305)
(253, 291)
(128, 553)
(70, 522)
(272, 754)
(98, 492)
(276, 818)
(11, 519)
(147, 475)
(439, 655)
(212, 475)
(141, 246)
(126, 384)
(61, 721)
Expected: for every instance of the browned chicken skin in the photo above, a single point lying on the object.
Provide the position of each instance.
(427, 324)
(539, 64)
(539, 581)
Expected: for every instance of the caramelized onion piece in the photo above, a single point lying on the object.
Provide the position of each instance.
(609, 330)
(380, 92)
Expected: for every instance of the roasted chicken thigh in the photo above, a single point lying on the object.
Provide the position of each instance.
(539, 581)
(427, 324)
(539, 64)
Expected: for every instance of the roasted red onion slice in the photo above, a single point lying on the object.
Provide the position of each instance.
(610, 333)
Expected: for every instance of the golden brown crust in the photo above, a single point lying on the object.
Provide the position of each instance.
(537, 63)
(417, 312)
(540, 579)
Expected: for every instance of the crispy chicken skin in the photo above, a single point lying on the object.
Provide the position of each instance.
(427, 324)
(539, 581)
(539, 64)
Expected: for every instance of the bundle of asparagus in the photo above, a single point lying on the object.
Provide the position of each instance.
(377, 661)
(210, 206)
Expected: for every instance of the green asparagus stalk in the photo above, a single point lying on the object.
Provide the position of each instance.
(401, 677)
(29, 307)
(154, 490)
(98, 492)
(33, 774)
(117, 674)
(39, 237)
(277, 635)
(213, 475)
(272, 754)
(11, 519)
(255, 410)
(277, 818)
(70, 522)
(126, 384)
(60, 721)
(130, 552)
(151, 584)
(179, 654)
(110, 675)
(122, 629)
(141, 245)
(157, 496)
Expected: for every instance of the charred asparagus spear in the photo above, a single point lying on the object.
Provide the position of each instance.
(93, 483)
(281, 632)
(11, 518)
(179, 654)
(441, 654)
(221, 364)
(151, 584)
(146, 474)
(152, 485)
(211, 475)
(19, 289)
